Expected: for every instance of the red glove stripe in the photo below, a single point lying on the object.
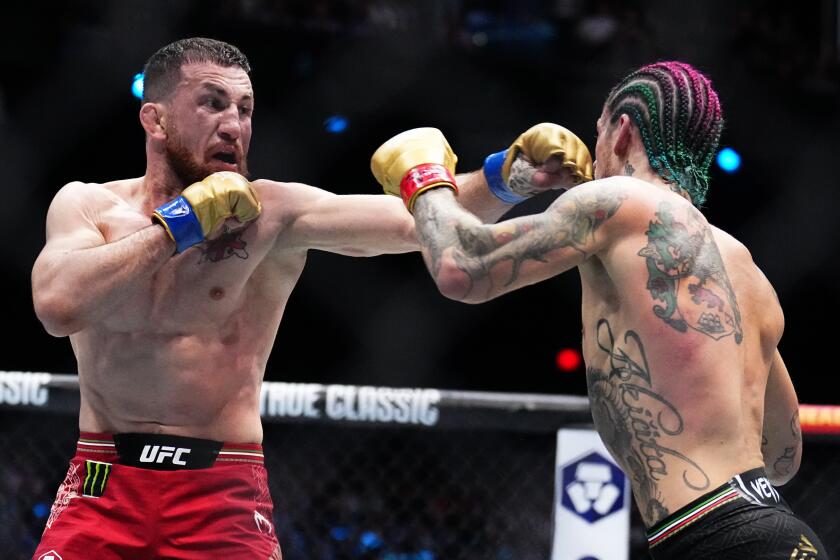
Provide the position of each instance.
(423, 176)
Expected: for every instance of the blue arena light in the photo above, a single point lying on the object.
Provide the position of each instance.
(729, 160)
(369, 540)
(137, 85)
(336, 124)
(40, 510)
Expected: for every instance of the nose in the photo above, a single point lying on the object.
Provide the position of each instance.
(230, 129)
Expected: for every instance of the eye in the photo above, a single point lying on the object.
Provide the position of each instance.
(246, 111)
(214, 103)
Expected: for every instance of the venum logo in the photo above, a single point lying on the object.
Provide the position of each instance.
(160, 453)
(51, 555)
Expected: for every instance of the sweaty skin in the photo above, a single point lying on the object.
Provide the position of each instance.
(177, 343)
(680, 327)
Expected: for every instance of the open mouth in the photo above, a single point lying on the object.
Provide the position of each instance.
(226, 157)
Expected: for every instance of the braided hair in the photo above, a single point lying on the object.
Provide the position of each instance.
(680, 120)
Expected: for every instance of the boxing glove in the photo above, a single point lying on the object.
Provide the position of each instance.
(538, 144)
(413, 162)
(203, 206)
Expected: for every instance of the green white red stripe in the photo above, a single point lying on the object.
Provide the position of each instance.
(713, 502)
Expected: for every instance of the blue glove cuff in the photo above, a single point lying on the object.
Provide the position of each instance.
(179, 219)
(493, 173)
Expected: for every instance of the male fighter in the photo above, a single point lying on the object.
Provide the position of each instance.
(171, 287)
(680, 327)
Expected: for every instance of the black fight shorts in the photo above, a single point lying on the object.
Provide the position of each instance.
(744, 519)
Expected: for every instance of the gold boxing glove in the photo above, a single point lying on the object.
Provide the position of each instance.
(203, 206)
(538, 144)
(413, 162)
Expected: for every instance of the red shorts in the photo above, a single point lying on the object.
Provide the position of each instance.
(106, 509)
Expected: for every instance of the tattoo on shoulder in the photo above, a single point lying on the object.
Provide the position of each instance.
(226, 245)
(629, 169)
(686, 273)
(637, 424)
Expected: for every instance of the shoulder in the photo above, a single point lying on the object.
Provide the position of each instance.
(614, 201)
(740, 264)
(286, 198)
(729, 243)
(78, 195)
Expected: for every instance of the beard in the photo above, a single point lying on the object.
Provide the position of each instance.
(186, 167)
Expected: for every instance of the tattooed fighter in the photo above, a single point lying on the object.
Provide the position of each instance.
(687, 387)
(171, 287)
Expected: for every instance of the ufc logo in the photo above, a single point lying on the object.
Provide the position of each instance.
(159, 454)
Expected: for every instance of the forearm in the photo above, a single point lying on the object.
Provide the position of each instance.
(457, 248)
(782, 435)
(475, 196)
(77, 288)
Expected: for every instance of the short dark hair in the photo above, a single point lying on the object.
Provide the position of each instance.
(163, 69)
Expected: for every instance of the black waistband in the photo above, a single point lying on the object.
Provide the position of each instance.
(166, 452)
(752, 486)
(756, 488)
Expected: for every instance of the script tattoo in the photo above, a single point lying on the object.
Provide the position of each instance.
(686, 273)
(571, 221)
(635, 422)
(226, 245)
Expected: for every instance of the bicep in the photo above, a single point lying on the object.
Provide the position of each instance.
(503, 257)
(357, 225)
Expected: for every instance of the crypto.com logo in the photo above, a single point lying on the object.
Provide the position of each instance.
(593, 487)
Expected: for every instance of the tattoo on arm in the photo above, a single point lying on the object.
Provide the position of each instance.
(570, 222)
(795, 427)
(629, 169)
(784, 464)
(686, 273)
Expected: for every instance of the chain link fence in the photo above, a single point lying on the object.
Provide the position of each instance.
(382, 492)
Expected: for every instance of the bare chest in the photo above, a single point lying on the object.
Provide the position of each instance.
(205, 284)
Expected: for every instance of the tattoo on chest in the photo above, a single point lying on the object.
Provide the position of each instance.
(228, 244)
(637, 424)
(686, 273)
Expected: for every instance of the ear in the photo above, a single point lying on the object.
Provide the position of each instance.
(624, 136)
(153, 120)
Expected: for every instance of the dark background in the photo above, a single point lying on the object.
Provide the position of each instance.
(482, 72)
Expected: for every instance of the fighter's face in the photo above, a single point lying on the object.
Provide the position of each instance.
(208, 126)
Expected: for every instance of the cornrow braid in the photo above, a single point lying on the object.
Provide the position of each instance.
(679, 117)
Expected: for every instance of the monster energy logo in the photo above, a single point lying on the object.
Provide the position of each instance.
(95, 479)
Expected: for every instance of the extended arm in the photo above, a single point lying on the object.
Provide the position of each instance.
(79, 278)
(782, 437)
(364, 225)
(473, 262)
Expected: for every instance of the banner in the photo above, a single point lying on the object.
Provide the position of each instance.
(591, 500)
